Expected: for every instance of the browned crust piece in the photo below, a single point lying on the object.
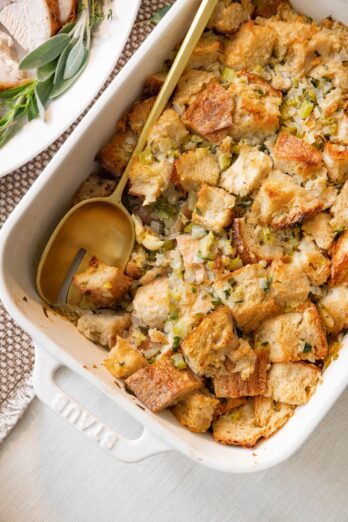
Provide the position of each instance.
(233, 386)
(293, 155)
(153, 83)
(244, 239)
(211, 112)
(114, 156)
(266, 8)
(54, 14)
(161, 384)
(339, 261)
(94, 186)
(139, 113)
(196, 411)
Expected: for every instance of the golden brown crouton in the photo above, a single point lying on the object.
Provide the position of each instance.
(230, 383)
(252, 45)
(292, 383)
(139, 114)
(94, 187)
(256, 114)
(336, 161)
(136, 263)
(206, 52)
(229, 16)
(149, 180)
(282, 202)
(240, 427)
(189, 85)
(124, 359)
(255, 242)
(151, 304)
(168, 126)
(213, 208)
(103, 284)
(267, 410)
(207, 346)
(295, 336)
(196, 411)
(161, 384)
(153, 83)
(333, 309)
(196, 167)
(339, 210)
(295, 156)
(247, 293)
(309, 260)
(210, 112)
(227, 405)
(289, 285)
(103, 327)
(318, 227)
(247, 172)
(339, 261)
(114, 156)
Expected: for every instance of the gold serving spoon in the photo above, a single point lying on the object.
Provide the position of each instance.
(102, 227)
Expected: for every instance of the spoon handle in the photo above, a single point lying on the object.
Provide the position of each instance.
(190, 41)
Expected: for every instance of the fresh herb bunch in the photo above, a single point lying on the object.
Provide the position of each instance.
(58, 62)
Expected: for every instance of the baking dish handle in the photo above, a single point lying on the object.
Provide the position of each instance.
(123, 449)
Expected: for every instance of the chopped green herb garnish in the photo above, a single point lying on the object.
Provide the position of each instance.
(266, 284)
(307, 347)
(198, 211)
(176, 342)
(227, 293)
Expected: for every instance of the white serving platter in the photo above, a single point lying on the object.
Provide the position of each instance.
(108, 43)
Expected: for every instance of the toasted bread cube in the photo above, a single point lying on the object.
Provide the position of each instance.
(282, 202)
(292, 383)
(124, 359)
(103, 327)
(153, 83)
(227, 405)
(319, 228)
(268, 413)
(161, 384)
(233, 385)
(289, 285)
(104, 284)
(189, 247)
(339, 261)
(266, 8)
(339, 209)
(240, 427)
(247, 293)
(333, 309)
(214, 208)
(149, 180)
(94, 187)
(255, 242)
(207, 346)
(189, 85)
(196, 411)
(228, 17)
(310, 261)
(196, 167)
(114, 156)
(252, 45)
(294, 336)
(295, 156)
(206, 52)
(168, 126)
(151, 304)
(247, 172)
(139, 114)
(336, 161)
(210, 114)
(256, 114)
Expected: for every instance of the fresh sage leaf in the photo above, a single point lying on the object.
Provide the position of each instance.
(64, 85)
(33, 110)
(67, 28)
(43, 90)
(157, 17)
(46, 52)
(59, 73)
(74, 60)
(46, 71)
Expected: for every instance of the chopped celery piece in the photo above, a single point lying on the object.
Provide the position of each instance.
(306, 109)
(228, 74)
(178, 361)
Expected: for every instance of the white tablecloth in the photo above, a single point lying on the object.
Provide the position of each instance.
(51, 473)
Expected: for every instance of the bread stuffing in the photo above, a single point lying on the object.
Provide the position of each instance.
(237, 285)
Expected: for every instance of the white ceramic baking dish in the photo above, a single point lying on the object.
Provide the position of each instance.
(58, 343)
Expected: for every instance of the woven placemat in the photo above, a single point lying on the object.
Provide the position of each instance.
(16, 350)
